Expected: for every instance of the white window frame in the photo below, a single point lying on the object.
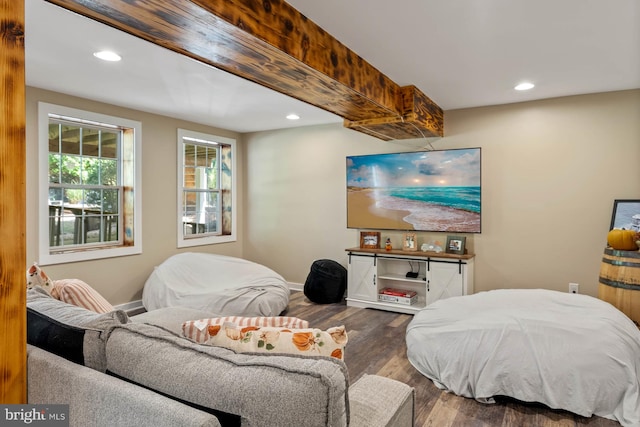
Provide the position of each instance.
(47, 255)
(205, 239)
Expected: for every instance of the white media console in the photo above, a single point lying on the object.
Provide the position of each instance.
(432, 276)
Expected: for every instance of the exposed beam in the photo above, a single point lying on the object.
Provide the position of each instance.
(13, 315)
(418, 115)
(272, 44)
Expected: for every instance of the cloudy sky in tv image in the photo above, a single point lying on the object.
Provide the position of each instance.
(444, 168)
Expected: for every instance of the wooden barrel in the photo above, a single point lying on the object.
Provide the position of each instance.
(620, 281)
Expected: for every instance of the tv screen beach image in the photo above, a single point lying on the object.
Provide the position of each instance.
(423, 191)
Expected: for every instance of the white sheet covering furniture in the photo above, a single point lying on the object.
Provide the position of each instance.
(216, 283)
(567, 351)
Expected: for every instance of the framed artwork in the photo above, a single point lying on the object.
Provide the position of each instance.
(455, 245)
(383, 179)
(370, 239)
(409, 242)
(626, 215)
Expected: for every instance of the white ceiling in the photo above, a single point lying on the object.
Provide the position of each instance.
(460, 53)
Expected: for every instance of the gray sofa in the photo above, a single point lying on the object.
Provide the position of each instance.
(142, 372)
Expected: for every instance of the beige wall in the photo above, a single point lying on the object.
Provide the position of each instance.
(550, 172)
(121, 280)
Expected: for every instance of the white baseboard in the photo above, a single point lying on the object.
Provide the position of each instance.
(296, 286)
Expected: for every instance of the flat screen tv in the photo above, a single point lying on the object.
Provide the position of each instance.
(424, 191)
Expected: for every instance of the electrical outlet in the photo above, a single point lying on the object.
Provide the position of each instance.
(574, 288)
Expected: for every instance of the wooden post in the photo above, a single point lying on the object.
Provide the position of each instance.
(13, 349)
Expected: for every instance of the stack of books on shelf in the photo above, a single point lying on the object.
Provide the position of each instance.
(399, 296)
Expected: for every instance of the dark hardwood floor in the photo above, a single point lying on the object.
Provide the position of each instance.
(377, 346)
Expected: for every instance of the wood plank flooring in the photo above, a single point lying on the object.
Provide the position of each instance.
(377, 346)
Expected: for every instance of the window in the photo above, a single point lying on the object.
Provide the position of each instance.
(206, 189)
(90, 167)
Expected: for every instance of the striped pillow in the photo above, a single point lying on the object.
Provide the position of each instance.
(198, 330)
(78, 293)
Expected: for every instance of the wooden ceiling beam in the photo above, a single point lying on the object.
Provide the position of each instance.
(418, 114)
(272, 44)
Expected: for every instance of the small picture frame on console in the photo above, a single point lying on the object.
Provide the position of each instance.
(409, 242)
(455, 245)
(370, 239)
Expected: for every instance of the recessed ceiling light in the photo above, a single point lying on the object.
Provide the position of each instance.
(107, 55)
(293, 117)
(524, 86)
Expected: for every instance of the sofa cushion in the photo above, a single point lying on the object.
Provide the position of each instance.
(274, 390)
(198, 330)
(308, 342)
(72, 332)
(55, 337)
(380, 401)
(95, 399)
(77, 292)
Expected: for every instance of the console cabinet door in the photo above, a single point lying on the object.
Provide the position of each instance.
(444, 280)
(362, 278)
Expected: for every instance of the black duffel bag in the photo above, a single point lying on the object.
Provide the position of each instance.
(326, 282)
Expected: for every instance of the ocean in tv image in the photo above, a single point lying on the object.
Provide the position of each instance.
(424, 191)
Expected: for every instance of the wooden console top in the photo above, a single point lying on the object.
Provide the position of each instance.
(428, 254)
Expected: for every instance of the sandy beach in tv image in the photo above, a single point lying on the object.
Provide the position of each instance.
(424, 191)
